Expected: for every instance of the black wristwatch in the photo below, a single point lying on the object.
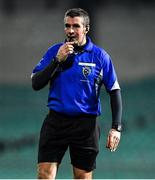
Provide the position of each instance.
(117, 127)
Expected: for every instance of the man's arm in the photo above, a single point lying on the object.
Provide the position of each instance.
(116, 108)
(41, 78)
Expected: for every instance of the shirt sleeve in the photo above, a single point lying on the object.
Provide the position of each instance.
(46, 59)
(109, 75)
(44, 62)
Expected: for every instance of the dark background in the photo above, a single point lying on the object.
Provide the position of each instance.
(126, 30)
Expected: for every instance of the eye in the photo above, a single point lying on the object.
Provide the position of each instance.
(76, 26)
(67, 25)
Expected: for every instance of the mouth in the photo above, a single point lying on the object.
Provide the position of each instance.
(71, 39)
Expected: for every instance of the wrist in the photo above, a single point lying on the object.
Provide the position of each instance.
(117, 127)
(56, 60)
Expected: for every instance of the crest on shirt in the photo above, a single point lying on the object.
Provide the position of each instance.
(86, 71)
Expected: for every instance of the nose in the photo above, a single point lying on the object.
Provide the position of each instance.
(71, 29)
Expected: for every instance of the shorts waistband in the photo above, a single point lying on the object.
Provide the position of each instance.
(82, 115)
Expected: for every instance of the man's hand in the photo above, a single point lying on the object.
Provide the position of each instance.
(113, 139)
(64, 51)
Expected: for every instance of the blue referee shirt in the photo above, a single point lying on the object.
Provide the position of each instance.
(76, 88)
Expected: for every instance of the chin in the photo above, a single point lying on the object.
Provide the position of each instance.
(71, 39)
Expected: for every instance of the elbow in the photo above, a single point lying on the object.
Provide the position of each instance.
(35, 87)
(38, 82)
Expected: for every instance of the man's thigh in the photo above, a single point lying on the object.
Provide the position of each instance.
(84, 146)
(53, 141)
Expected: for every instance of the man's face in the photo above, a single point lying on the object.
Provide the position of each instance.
(75, 29)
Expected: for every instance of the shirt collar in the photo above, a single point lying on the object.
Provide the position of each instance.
(89, 44)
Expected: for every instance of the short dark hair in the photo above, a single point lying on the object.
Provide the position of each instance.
(74, 12)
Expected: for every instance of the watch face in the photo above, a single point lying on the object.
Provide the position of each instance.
(117, 127)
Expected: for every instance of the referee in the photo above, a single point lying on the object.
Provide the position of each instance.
(75, 70)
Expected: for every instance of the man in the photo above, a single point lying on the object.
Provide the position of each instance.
(75, 70)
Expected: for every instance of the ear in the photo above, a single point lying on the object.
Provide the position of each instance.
(87, 28)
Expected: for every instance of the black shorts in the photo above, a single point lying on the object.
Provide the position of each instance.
(79, 133)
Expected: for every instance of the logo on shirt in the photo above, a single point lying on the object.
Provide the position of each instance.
(86, 71)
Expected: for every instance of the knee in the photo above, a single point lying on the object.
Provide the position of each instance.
(46, 172)
(83, 176)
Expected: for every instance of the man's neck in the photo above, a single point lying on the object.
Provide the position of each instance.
(83, 42)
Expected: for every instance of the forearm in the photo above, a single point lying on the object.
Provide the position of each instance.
(116, 108)
(41, 79)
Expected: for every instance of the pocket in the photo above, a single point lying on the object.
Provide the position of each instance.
(86, 73)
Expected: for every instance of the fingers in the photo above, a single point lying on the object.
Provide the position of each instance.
(108, 142)
(65, 50)
(69, 47)
(114, 145)
(113, 140)
(69, 43)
